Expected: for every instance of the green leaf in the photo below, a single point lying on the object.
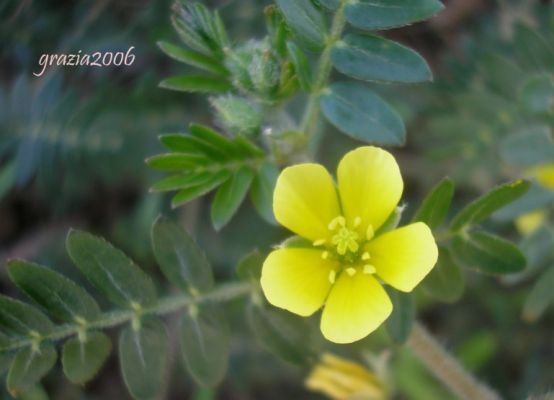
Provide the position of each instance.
(61, 297)
(487, 253)
(384, 14)
(360, 113)
(29, 366)
(301, 66)
(540, 297)
(182, 181)
(399, 324)
(261, 192)
(282, 334)
(330, 4)
(435, 206)
(305, 20)
(215, 139)
(183, 196)
(142, 355)
(446, 281)
(479, 209)
(110, 270)
(230, 196)
(83, 359)
(373, 58)
(537, 94)
(7, 178)
(192, 58)
(198, 146)
(250, 266)
(20, 319)
(205, 344)
(179, 257)
(196, 83)
(536, 197)
(177, 161)
(531, 146)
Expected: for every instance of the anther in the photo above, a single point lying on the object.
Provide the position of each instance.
(319, 242)
(350, 271)
(366, 256)
(336, 221)
(325, 255)
(357, 222)
(332, 276)
(369, 232)
(369, 269)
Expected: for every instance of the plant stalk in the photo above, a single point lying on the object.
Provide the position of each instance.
(311, 114)
(163, 306)
(446, 368)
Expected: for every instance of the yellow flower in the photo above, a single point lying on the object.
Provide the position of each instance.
(341, 379)
(529, 222)
(346, 260)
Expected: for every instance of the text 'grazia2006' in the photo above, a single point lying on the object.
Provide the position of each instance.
(96, 59)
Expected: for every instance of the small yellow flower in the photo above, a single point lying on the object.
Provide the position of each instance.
(531, 221)
(342, 267)
(342, 379)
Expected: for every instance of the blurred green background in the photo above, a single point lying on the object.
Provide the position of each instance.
(73, 144)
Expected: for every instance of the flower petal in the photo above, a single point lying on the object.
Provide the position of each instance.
(356, 306)
(404, 256)
(370, 185)
(296, 279)
(305, 200)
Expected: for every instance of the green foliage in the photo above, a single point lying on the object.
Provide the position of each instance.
(61, 297)
(83, 357)
(385, 14)
(484, 206)
(205, 343)
(110, 270)
(29, 366)
(179, 258)
(435, 206)
(373, 58)
(446, 281)
(205, 160)
(282, 334)
(27, 335)
(142, 353)
(399, 324)
(352, 108)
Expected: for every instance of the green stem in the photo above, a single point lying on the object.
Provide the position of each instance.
(311, 114)
(163, 306)
(446, 368)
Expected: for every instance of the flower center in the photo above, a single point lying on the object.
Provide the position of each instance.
(345, 239)
(346, 245)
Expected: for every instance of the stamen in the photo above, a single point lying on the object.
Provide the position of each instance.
(336, 221)
(369, 232)
(366, 256)
(325, 255)
(357, 222)
(351, 271)
(369, 269)
(332, 276)
(319, 242)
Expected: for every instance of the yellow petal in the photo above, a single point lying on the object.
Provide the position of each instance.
(356, 306)
(296, 279)
(544, 174)
(305, 200)
(404, 256)
(370, 185)
(529, 222)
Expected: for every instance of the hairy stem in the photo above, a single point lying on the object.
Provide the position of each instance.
(311, 114)
(447, 369)
(163, 306)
